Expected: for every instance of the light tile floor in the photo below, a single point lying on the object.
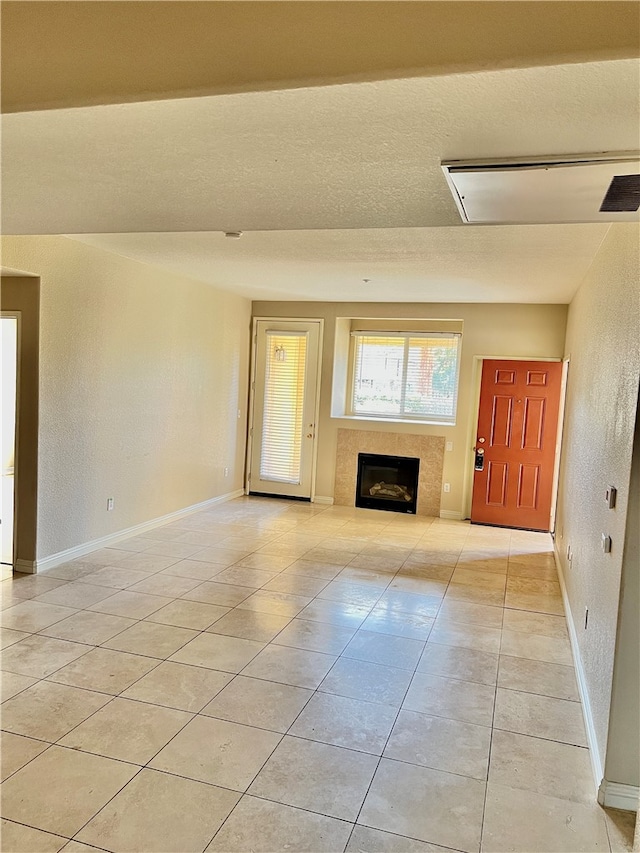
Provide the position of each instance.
(271, 676)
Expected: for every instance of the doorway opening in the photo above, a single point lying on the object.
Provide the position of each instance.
(285, 387)
(9, 354)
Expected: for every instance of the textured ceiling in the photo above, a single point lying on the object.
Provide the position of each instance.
(361, 155)
(510, 263)
(357, 166)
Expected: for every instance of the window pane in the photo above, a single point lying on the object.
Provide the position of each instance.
(410, 376)
(431, 377)
(377, 387)
(281, 455)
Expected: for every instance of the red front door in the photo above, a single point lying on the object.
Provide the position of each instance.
(516, 443)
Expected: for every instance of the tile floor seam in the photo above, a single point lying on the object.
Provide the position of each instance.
(96, 689)
(29, 826)
(486, 783)
(17, 770)
(315, 692)
(395, 720)
(104, 805)
(299, 808)
(53, 672)
(83, 642)
(210, 841)
(533, 692)
(297, 522)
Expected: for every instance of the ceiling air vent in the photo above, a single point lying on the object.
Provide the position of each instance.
(580, 188)
(623, 194)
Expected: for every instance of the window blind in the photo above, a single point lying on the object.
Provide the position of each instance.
(406, 375)
(286, 361)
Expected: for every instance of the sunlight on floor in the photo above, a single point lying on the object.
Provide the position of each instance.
(269, 675)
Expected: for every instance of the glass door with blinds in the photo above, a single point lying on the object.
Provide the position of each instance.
(285, 393)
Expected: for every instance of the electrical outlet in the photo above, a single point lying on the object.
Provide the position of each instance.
(447, 487)
(109, 504)
(226, 472)
(449, 446)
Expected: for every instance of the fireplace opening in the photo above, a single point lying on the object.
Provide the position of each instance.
(387, 482)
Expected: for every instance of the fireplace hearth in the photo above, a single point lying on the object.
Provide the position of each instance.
(388, 483)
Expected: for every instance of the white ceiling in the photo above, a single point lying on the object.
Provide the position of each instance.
(509, 263)
(346, 179)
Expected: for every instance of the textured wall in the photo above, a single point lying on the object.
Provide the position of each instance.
(602, 394)
(142, 374)
(535, 331)
(623, 746)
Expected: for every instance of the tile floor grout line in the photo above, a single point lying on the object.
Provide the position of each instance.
(104, 805)
(315, 692)
(27, 762)
(30, 826)
(370, 542)
(283, 735)
(493, 729)
(386, 743)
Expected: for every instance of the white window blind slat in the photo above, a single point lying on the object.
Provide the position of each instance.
(282, 426)
(404, 375)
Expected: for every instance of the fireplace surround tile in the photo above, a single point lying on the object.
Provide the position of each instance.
(429, 449)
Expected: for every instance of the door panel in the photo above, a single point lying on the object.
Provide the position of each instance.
(284, 411)
(516, 437)
(501, 422)
(496, 483)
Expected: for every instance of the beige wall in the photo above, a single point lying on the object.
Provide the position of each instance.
(623, 745)
(177, 49)
(20, 293)
(535, 331)
(142, 374)
(602, 394)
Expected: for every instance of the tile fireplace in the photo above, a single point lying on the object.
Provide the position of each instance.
(428, 449)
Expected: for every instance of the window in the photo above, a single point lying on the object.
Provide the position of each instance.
(412, 376)
(280, 459)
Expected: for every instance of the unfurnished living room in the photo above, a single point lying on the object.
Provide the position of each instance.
(321, 455)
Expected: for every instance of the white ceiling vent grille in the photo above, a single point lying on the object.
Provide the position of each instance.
(584, 188)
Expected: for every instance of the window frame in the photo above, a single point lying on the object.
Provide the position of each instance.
(402, 417)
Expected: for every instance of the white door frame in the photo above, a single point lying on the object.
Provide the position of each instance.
(476, 381)
(17, 315)
(252, 401)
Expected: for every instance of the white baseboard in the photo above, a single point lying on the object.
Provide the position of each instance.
(105, 541)
(618, 796)
(323, 499)
(592, 740)
(452, 514)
